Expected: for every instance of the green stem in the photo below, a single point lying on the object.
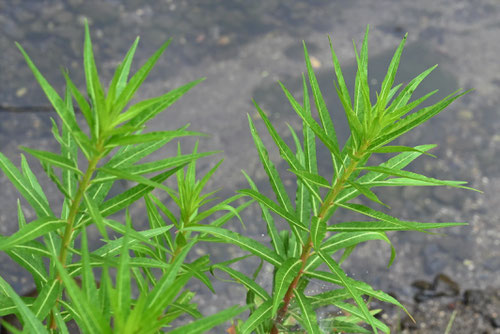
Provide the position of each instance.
(82, 187)
(306, 249)
(73, 211)
(306, 252)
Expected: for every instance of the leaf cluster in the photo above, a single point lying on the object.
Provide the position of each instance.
(137, 280)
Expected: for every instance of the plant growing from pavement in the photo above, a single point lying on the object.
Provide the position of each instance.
(155, 262)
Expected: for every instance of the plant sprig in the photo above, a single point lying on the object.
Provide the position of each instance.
(115, 144)
(296, 256)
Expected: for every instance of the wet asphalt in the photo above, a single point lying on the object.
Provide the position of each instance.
(243, 48)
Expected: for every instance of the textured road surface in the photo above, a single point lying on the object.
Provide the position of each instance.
(242, 49)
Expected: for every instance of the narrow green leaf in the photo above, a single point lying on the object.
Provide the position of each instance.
(335, 268)
(245, 281)
(356, 312)
(271, 226)
(362, 95)
(31, 323)
(154, 110)
(415, 176)
(40, 206)
(60, 107)
(112, 247)
(261, 314)
(415, 119)
(200, 184)
(105, 294)
(209, 322)
(69, 150)
(329, 297)
(128, 155)
(345, 240)
(95, 214)
(367, 192)
(7, 306)
(150, 137)
(366, 289)
(272, 173)
(241, 241)
(26, 257)
(120, 77)
(47, 299)
(88, 279)
(389, 77)
(31, 177)
(137, 79)
(49, 170)
(397, 149)
(197, 269)
(348, 327)
(123, 286)
(354, 124)
(292, 247)
(314, 178)
(310, 162)
(131, 195)
(393, 91)
(318, 231)
(402, 182)
(347, 252)
(80, 100)
(361, 81)
(303, 206)
(357, 226)
(156, 298)
(21, 219)
(346, 99)
(32, 231)
(151, 167)
(9, 327)
(156, 221)
(403, 225)
(89, 318)
(398, 162)
(285, 151)
(94, 87)
(228, 216)
(150, 107)
(284, 276)
(313, 125)
(407, 92)
(397, 114)
(289, 216)
(324, 115)
(121, 174)
(61, 324)
(308, 315)
(53, 159)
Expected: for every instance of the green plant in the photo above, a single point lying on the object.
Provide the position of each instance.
(155, 261)
(309, 239)
(112, 149)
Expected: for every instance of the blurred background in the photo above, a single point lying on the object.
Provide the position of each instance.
(243, 48)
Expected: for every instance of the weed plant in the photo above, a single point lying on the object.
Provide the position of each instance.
(111, 146)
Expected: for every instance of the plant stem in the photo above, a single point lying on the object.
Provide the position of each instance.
(75, 205)
(306, 249)
(82, 187)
